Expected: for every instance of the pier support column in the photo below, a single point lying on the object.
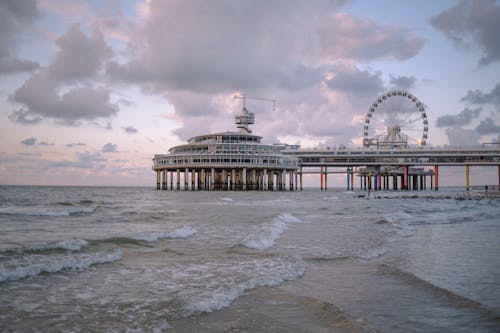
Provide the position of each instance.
(395, 183)
(158, 179)
(232, 180)
(467, 177)
(352, 179)
(212, 179)
(186, 176)
(348, 172)
(223, 183)
(291, 179)
(171, 180)
(436, 177)
(244, 177)
(321, 178)
(193, 179)
(164, 180)
(326, 179)
(178, 179)
(405, 178)
(300, 176)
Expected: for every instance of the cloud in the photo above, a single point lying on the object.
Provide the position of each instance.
(84, 160)
(44, 143)
(15, 18)
(109, 148)
(246, 46)
(480, 98)
(76, 144)
(29, 142)
(458, 136)
(13, 66)
(465, 117)
(130, 129)
(62, 91)
(79, 56)
(403, 82)
(488, 126)
(472, 22)
(346, 37)
(355, 81)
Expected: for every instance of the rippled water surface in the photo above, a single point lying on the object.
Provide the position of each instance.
(79, 259)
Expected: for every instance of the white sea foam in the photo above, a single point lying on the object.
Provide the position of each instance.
(267, 233)
(183, 232)
(46, 211)
(33, 265)
(73, 244)
(264, 272)
(373, 253)
(226, 199)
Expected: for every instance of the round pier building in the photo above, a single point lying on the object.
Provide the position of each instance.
(227, 161)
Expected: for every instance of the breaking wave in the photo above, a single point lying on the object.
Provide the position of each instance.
(183, 232)
(36, 264)
(267, 233)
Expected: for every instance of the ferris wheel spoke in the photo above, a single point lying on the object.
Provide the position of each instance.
(409, 122)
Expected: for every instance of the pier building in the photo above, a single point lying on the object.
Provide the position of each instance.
(394, 156)
(227, 161)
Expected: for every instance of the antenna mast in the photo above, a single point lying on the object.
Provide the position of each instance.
(246, 118)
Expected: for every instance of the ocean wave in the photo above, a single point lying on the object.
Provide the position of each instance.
(183, 232)
(267, 233)
(373, 253)
(73, 244)
(47, 211)
(264, 272)
(33, 265)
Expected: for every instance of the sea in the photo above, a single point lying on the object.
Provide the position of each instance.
(135, 259)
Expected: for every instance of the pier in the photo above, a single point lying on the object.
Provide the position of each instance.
(388, 160)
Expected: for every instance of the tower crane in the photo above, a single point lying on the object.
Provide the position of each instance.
(246, 118)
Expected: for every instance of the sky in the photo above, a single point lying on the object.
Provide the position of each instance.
(90, 90)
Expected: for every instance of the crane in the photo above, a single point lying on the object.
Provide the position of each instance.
(244, 98)
(246, 118)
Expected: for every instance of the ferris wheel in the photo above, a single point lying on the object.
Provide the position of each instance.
(396, 119)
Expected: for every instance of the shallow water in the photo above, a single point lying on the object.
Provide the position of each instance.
(80, 259)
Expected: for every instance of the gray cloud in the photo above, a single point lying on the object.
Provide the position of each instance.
(475, 22)
(248, 46)
(465, 117)
(15, 17)
(488, 126)
(75, 144)
(109, 148)
(13, 66)
(85, 160)
(79, 58)
(480, 98)
(403, 82)
(344, 36)
(130, 129)
(29, 142)
(355, 81)
(458, 136)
